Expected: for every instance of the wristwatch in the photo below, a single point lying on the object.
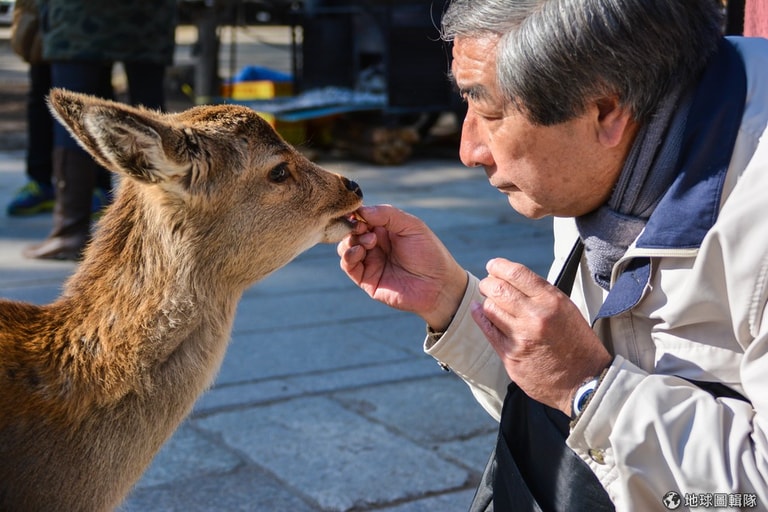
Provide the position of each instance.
(582, 396)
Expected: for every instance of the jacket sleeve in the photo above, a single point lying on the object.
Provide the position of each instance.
(464, 349)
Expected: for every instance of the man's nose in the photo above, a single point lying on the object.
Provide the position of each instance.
(473, 150)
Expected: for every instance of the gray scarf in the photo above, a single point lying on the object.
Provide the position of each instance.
(649, 170)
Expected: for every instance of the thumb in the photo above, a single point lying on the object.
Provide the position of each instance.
(388, 217)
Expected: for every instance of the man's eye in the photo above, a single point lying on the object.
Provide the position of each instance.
(491, 117)
(279, 173)
(486, 115)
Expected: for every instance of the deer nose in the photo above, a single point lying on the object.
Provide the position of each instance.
(353, 187)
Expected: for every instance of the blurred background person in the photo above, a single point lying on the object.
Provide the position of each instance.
(36, 196)
(82, 39)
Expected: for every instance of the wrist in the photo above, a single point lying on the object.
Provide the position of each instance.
(447, 304)
(584, 393)
(582, 396)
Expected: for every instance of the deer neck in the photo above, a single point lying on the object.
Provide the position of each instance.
(142, 309)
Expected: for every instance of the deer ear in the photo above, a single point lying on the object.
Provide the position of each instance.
(136, 142)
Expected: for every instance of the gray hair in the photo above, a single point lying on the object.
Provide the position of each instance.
(554, 56)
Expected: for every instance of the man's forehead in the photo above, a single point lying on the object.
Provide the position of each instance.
(473, 70)
(473, 56)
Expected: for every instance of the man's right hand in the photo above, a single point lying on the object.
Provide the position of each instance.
(396, 259)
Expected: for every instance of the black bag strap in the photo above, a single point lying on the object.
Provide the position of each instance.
(567, 275)
(531, 458)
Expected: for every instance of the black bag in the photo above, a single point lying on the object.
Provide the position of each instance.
(531, 467)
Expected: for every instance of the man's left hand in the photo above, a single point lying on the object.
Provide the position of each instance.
(544, 342)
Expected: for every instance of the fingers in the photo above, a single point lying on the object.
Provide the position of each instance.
(353, 249)
(378, 215)
(502, 287)
(495, 319)
(375, 219)
(391, 219)
(366, 240)
(515, 297)
(523, 279)
(491, 332)
(501, 291)
(378, 220)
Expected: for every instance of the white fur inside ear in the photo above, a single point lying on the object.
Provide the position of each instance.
(133, 147)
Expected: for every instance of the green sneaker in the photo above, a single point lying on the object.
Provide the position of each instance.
(31, 199)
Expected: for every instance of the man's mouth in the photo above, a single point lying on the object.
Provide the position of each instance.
(506, 188)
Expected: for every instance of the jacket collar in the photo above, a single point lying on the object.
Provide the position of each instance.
(690, 207)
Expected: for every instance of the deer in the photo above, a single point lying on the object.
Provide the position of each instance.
(209, 201)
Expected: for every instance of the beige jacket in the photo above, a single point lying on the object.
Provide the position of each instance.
(701, 315)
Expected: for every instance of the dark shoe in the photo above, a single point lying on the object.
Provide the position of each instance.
(74, 174)
(58, 248)
(31, 199)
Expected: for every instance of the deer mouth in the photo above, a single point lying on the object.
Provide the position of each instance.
(352, 219)
(341, 226)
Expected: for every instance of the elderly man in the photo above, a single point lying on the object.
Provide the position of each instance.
(641, 130)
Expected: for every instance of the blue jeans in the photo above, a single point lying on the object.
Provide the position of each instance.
(145, 87)
(39, 125)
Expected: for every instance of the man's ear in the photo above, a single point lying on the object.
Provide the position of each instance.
(614, 122)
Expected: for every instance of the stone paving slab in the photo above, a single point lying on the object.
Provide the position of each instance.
(248, 490)
(316, 307)
(190, 454)
(302, 350)
(334, 456)
(436, 411)
(440, 503)
(227, 397)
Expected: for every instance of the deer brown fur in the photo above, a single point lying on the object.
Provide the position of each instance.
(210, 201)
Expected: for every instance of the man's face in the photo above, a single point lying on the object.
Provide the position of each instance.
(562, 170)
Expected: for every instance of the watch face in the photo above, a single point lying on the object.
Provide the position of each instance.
(582, 396)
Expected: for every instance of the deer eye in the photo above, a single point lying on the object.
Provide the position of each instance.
(279, 173)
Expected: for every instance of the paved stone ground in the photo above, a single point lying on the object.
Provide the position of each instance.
(325, 401)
